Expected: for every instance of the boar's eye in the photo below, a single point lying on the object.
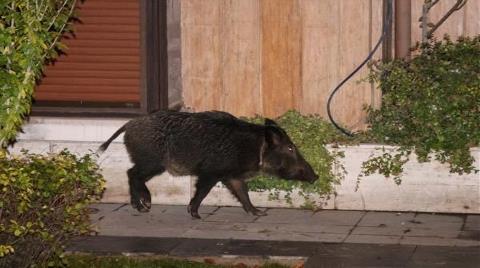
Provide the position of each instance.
(290, 148)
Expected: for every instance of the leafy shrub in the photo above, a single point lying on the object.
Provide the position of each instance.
(43, 202)
(310, 134)
(29, 35)
(430, 106)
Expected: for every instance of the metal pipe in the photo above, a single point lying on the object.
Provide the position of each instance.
(403, 23)
(388, 40)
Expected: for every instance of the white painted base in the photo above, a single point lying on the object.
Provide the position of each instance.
(426, 187)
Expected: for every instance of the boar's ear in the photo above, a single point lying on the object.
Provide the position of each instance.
(270, 122)
(273, 136)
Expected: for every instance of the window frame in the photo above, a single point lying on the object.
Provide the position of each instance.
(153, 71)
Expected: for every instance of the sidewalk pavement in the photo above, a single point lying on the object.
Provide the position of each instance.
(327, 238)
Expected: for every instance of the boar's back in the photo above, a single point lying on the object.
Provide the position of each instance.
(208, 143)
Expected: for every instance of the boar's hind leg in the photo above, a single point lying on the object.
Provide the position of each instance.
(203, 187)
(140, 197)
(240, 190)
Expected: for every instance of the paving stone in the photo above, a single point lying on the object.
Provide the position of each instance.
(204, 211)
(293, 216)
(428, 218)
(470, 235)
(285, 224)
(437, 241)
(472, 222)
(445, 257)
(272, 227)
(379, 230)
(373, 239)
(262, 231)
(360, 255)
(337, 217)
(386, 219)
(98, 211)
(231, 214)
(434, 231)
(161, 221)
(439, 226)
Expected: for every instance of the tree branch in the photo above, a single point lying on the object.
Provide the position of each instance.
(457, 6)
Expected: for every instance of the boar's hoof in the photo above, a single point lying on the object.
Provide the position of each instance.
(193, 213)
(258, 212)
(141, 205)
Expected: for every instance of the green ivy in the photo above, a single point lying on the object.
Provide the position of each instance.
(430, 106)
(44, 201)
(311, 134)
(29, 38)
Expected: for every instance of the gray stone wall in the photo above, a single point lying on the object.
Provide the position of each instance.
(174, 54)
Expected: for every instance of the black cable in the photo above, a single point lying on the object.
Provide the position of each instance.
(386, 24)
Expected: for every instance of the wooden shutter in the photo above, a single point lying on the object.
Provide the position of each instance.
(102, 63)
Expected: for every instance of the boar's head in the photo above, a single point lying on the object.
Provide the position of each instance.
(281, 158)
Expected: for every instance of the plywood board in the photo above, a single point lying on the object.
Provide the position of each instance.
(241, 92)
(281, 55)
(201, 58)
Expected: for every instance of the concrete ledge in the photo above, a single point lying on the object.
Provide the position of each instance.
(426, 187)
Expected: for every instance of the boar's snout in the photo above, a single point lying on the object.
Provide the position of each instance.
(307, 174)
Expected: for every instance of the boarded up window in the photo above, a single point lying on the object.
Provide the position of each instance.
(102, 63)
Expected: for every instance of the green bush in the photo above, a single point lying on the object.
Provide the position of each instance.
(43, 202)
(29, 38)
(310, 134)
(430, 106)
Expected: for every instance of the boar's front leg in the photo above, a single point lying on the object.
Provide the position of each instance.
(140, 197)
(240, 190)
(203, 187)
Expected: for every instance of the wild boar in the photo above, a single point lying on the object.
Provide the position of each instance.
(214, 146)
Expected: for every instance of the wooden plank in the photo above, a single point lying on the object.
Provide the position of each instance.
(376, 28)
(241, 58)
(194, 12)
(320, 53)
(416, 31)
(281, 55)
(201, 54)
(471, 20)
(348, 104)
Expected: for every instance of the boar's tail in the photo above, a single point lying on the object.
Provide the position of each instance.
(105, 145)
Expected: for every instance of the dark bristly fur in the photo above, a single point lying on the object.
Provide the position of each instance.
(214, 146)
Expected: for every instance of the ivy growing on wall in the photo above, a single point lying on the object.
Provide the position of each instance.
(29, 38)
(430, 106)
(311, 134)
